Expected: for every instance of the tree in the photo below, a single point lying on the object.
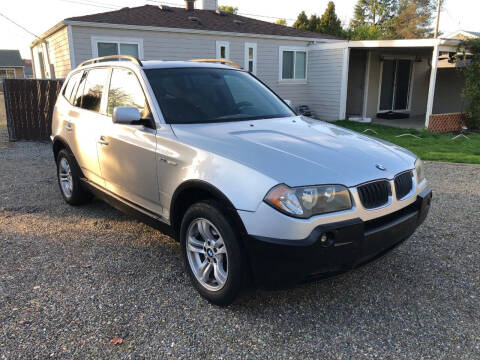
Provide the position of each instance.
(229, 9)
(471, 91)
(313, 23)
(329, 22)
(414, 19)
(365, 32)
(301, 22)
(373, 12)
(281, 22)
(373, 16)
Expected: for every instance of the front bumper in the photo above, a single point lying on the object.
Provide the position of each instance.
(278, 263)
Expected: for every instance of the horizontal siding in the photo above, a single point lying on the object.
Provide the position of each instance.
(59, 52)
(179, 46)
(325, 68)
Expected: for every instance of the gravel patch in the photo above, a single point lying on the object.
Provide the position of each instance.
(73, 278)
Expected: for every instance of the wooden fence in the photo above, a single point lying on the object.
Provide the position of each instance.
(29, 107)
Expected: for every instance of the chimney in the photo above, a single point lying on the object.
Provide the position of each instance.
(189, 5)
(208, 5)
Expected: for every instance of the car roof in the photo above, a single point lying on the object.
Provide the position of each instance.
(159, 64)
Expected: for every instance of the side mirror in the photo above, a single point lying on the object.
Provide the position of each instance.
(126, 115)
(288, 102)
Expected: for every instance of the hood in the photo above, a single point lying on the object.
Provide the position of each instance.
(299, 151)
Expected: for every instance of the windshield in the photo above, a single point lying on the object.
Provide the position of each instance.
(205, 95)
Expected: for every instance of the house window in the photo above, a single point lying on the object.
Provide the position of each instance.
(112, 46)
(251, 57)
(106, 48)
(223, 50)
(7, 73)
(293, 64)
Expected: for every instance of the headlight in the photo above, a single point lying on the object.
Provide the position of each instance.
(304, 202)
(419, 170)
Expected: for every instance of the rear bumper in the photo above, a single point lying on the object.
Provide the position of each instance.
(278, 263)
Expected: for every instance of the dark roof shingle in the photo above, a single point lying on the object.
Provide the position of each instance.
(150, 15)
(10, 58)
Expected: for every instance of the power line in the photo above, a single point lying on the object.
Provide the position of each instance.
(20, 26)
(94, 4)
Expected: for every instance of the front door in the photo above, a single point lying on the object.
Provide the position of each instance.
(395, 86)
(127, 152)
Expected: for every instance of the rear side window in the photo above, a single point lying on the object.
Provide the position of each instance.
(89, 96)
(71, 87)
(125, 90)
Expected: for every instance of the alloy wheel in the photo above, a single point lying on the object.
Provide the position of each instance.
(207, 254)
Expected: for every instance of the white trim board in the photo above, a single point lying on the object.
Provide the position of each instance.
(366, 84)
(247, 48)
(431, 86)
(71, 48)
(344, 88)
(219, 45)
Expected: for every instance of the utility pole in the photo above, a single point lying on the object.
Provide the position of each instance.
(437, 23)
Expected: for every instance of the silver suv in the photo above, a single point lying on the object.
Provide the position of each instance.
(210, 155)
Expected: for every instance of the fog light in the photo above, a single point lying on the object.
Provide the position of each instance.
(324, 238)
(327, 239)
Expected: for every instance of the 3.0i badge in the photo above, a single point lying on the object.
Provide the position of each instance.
(380, 167)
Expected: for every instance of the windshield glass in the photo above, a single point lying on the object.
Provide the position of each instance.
(205, 95)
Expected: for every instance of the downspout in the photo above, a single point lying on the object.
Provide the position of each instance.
(33, 63)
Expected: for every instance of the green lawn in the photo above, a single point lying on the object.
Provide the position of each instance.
(436, 147)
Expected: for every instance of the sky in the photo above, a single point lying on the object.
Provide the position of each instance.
(38, 16)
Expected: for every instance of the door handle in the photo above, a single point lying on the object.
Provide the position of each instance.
(68, 127)
(103, 141)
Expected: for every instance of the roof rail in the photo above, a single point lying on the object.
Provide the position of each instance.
(111, 58)
(221, 61)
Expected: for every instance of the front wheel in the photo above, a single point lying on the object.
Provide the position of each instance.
(212, 254)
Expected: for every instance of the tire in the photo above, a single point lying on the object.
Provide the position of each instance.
(68, 176)
(225, 256)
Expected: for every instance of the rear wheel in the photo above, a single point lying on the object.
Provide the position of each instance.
(68, 176)
(212, 254)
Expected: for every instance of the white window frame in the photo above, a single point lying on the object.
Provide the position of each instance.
(218, 46)
(6, 68)
(118, 41)
(281, 50)
(249, 46)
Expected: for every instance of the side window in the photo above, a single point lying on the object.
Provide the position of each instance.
(125, 90)
(91, 95)
(71, 87)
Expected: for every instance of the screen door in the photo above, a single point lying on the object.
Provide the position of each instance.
(395, 85)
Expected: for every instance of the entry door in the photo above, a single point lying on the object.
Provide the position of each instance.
(396, 76)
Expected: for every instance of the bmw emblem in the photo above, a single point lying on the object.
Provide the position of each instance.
(380, 167)
(210, 252)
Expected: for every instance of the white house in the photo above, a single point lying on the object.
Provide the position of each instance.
(277, 54)
(336, 78)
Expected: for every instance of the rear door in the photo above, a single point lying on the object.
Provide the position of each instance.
(127, 156)
(87, 120)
